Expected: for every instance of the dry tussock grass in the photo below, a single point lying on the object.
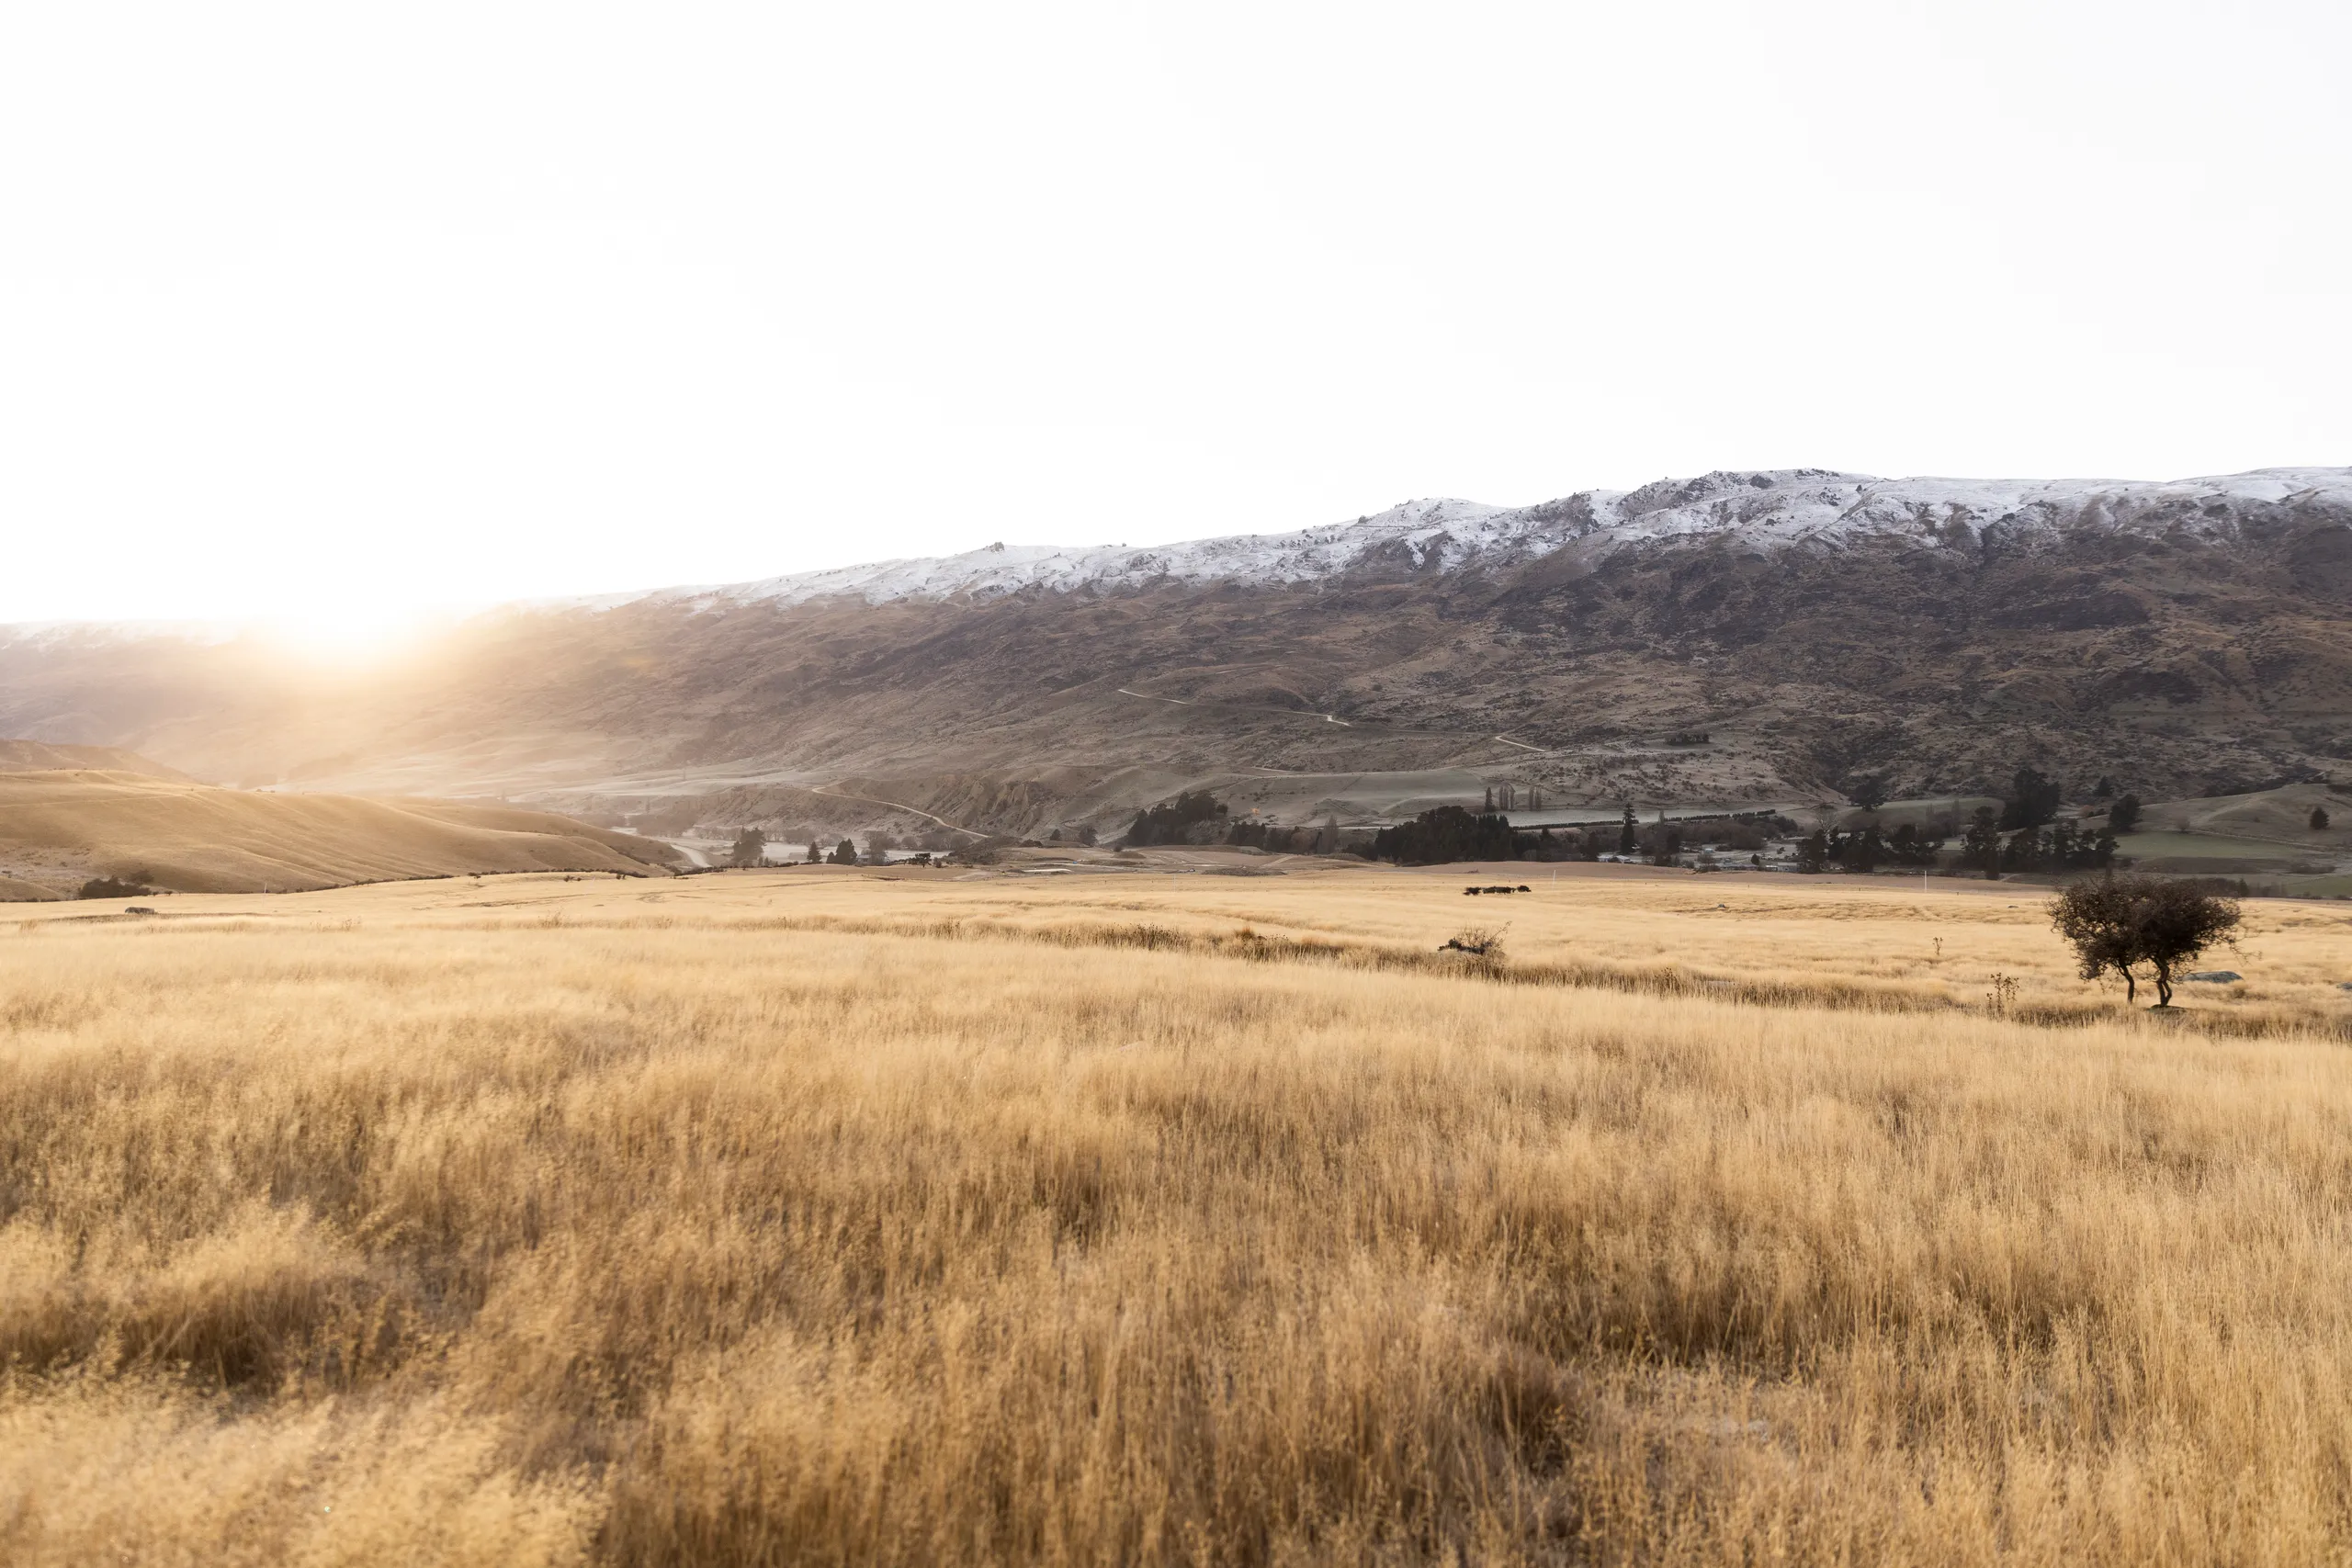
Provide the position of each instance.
(386, 1228)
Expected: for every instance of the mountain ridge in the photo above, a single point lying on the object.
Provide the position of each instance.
(1774, 506)
(2175, 637)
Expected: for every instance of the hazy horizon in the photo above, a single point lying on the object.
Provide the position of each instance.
(342, 320)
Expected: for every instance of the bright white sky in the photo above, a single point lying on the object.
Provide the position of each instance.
(335, 312)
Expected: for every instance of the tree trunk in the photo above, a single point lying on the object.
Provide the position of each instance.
(2131, 988)
(2164, 986)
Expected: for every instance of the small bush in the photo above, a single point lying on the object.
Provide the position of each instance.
(1478, 941)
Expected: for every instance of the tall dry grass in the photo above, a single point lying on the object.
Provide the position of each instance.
(415, 1237)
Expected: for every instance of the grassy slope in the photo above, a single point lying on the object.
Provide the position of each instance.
(2277, 819)
(57, 828)
(817, 1217)
(40, 756)
(2263, 834)
(2210, 853)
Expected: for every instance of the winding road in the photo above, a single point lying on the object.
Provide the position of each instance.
(899, 806)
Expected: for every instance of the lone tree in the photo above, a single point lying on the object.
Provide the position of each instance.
(2319, 818)
(1868, 792)
(751, 848)
(845, 853)
(2119, 923)
(2125, 815)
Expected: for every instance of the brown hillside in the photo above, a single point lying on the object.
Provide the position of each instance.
(40, 756)
(60, 830)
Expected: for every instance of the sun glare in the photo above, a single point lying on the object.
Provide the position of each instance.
(359, 635)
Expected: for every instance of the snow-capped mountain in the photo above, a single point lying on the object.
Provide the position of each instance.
(2176, 637)
(1766, 508)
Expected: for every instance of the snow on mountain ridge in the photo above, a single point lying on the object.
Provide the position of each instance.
(1305, 555)
(1770, 509)
(1773, 508)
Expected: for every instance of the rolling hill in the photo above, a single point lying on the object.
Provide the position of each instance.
(1740, 637)
(60, 830)
(40, 757)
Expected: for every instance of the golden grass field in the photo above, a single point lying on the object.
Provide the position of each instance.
(829, 1216)
(59, 829)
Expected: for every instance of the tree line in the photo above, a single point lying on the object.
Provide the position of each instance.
(1197, 816)
(1449, 833)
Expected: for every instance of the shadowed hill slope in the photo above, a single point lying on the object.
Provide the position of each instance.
(61, 830)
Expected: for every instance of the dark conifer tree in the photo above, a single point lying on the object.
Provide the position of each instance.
(2033, 800)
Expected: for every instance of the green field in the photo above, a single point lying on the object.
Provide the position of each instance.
(2211, 851)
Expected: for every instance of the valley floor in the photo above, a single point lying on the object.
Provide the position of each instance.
(829, 1215)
